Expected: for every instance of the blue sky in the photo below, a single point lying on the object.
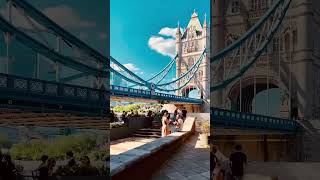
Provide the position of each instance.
(135, 27)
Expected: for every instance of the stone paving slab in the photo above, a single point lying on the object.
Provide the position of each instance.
(190, 161)
(123, 145)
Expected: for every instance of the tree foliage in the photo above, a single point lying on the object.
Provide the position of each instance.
(133, 107)
(80, 145)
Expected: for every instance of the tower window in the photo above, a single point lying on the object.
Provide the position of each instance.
(258, 4)
(190, 62)
(235, 6)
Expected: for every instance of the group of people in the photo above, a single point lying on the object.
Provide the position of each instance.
(177, 119)
(47, 167)
(84, 168)
(228, 170)
(8, 170)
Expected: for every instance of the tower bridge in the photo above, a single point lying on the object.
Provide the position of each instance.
(258, 46)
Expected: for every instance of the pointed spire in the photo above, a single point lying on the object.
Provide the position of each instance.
(205, 20)
(194, 14)
(178, 28)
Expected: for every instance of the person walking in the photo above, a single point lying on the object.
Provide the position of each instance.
(213, 160)
(238, 160)
(184, 113)
(71, 161)
(165, 124)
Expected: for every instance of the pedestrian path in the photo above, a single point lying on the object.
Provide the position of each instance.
(191, 161)
(123, 145)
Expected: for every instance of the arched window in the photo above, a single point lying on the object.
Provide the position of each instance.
(190, 62)
(235, 6)
(259, 4)
(200, 75)
(287, 41)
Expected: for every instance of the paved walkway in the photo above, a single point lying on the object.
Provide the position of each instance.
(123, 145)
(191, 161)
(287, 170)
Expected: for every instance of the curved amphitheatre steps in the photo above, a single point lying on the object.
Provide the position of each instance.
(148, 133)
(16, 117)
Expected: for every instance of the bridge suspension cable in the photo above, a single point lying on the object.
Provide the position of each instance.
(46, 22)
(248, 49)
(156, 79)
(182, 80)
(49, 53)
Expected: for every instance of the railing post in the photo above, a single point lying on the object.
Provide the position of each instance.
(57, 64)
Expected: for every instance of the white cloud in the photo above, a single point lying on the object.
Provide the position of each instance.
(164, 46)
(171, 32)
(131, 67)
(164, 42)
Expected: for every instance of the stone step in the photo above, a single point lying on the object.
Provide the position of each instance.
(146, 136)
(150, 130)
(147, 133)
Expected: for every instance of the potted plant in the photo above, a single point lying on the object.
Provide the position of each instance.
(205, 130)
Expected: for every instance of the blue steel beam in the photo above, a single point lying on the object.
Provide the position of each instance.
(49, 24)
(164, 70)
(146, 94)
(234, 119)
(194, 67)
(237, 44)
(49, 53)
(48, 92)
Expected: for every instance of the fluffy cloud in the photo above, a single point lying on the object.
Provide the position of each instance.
(131, 67)
(164, 41)
(171, 32)
(164, 46)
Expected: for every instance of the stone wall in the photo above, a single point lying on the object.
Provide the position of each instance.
(141, 162)
(259, 147)
(135, 123)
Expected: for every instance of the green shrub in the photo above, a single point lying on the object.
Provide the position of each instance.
(127, 108)
(57, 148)
(4, 141)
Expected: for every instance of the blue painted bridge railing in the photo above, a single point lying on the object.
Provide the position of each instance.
(28, 90)
(120, 91)
(234, 119)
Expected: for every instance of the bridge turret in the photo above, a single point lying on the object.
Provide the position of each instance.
(217, 35)
(178, 52)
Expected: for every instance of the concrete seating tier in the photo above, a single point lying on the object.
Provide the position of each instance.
(17, 117)
(141, 162)
(148, 133)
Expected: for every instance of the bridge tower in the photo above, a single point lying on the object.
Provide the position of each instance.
(189, 47)
(292, 63)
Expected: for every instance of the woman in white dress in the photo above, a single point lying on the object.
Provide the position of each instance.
(179, 122)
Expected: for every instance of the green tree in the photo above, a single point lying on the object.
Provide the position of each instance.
(4, 141)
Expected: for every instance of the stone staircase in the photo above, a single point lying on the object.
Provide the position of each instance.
(148, 133)
(19, 117)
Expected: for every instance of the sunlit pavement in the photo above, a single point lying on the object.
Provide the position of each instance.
(123, 145)
(287, 170)
(191, 161)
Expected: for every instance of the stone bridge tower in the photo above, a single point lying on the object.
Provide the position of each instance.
(297, 43)
(189, 46)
